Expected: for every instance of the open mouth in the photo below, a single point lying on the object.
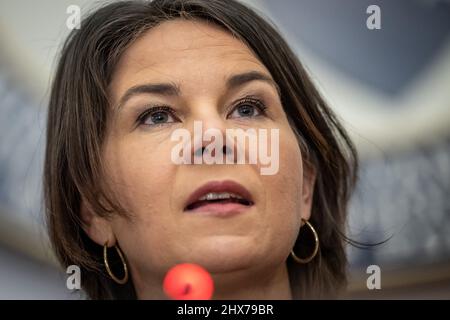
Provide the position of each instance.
(219, 197)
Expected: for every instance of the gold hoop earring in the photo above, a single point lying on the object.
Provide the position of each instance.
(316, 246)
(108, 269)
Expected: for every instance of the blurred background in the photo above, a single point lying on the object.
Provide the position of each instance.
(390, 87)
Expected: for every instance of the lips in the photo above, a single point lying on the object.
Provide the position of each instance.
(219, 198)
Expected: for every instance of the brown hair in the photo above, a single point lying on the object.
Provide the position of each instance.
(77, 117)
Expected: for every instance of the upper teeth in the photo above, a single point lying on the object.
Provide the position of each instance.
(219, 196)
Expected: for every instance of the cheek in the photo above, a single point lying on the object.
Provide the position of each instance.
(139, 175)
(283, 190)
(141, 178)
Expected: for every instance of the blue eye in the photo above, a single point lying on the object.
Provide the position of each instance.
(248, 108)
(157, 116)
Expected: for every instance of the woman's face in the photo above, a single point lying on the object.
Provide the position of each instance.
(191, 63)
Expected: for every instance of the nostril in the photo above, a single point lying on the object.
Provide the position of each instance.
(199, 152)
(226, 150)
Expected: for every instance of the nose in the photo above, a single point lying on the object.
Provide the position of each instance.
(209, 135)
(199, 152)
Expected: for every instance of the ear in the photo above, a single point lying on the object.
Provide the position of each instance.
(98, 228)
(309, 181)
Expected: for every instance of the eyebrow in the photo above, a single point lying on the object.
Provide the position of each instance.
(238, 80)
(172, 89)
(163, 89)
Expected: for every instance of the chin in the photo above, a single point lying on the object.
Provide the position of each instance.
(225, 253)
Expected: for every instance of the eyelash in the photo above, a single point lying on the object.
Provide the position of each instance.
(143, 116)
(255, 102)
(247, 100)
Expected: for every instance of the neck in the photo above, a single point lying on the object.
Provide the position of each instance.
(264, 285)
(236, 285)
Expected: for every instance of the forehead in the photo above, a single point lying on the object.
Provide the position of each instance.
(186, 52)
